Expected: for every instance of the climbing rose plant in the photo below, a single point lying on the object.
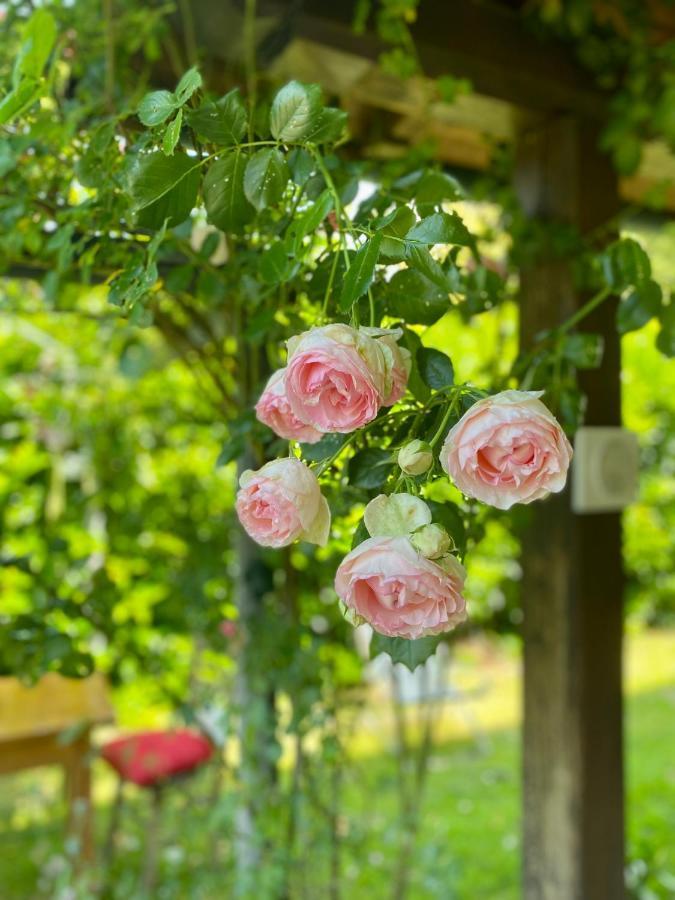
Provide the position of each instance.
(298, 285)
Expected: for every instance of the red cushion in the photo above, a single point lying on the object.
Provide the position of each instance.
(149, 757)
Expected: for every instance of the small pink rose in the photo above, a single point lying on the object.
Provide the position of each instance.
(398, 591)
(507, 449)
(282, 503)
(274, 410)
(338, 377)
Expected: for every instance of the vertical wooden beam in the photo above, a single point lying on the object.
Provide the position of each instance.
(572, 571)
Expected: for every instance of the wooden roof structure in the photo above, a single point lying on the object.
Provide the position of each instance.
(518, 76)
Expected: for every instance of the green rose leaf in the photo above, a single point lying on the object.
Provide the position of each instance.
(156, 108)
(625, 264)
(223, 122)
(401, 650)
(20, 99)
(189, 83)
(433, 188)
(323, 449)
(440, 228)
(583, 350)
(418, 257)
(308, 221)
(396, 227)
(230, 451)
(226, 205)
(370, 468)
(360, 535)
(435, 368)
(327, 127)
(410, 295)
(39, 37)
(639, 306)
(164, 187)
(172, 134)
(360, 274)
(295, 111)
(665, 341)
(266, 178)
(276, 265)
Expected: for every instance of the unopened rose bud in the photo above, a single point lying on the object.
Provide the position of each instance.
(415, 458)
(431, 541)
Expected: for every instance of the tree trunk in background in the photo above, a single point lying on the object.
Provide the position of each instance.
(572, 572)
(255, 697)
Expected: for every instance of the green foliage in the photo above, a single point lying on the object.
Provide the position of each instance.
(360, 274)
(226, 204)
(222, 121)
(295, 111)
(265, 178)
(28, 84)
(411, 654)
(435, 368)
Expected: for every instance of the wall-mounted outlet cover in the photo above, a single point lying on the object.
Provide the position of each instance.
(605, 469)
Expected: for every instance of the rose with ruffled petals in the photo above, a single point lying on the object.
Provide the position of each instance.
(282, 503)
(338, 377)
(387, 583)
(274, 410)
(507, 449)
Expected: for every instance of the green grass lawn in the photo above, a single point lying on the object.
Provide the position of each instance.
(468, 846)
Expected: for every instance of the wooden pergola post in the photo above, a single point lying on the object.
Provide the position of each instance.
(572, 571)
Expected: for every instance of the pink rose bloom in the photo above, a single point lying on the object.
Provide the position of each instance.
(282, 503)
(507, 449)
(338, 377)
(274, 410)
(398, 591)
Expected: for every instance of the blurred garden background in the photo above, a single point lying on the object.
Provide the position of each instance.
(119, 554)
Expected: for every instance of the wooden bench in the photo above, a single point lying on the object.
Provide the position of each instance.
(50, 724)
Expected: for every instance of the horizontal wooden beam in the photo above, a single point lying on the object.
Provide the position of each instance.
(487, 43)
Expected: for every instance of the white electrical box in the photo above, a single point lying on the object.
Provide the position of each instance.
(605, 469)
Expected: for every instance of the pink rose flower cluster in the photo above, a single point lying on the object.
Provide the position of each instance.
(404, 580)
(336, 379)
